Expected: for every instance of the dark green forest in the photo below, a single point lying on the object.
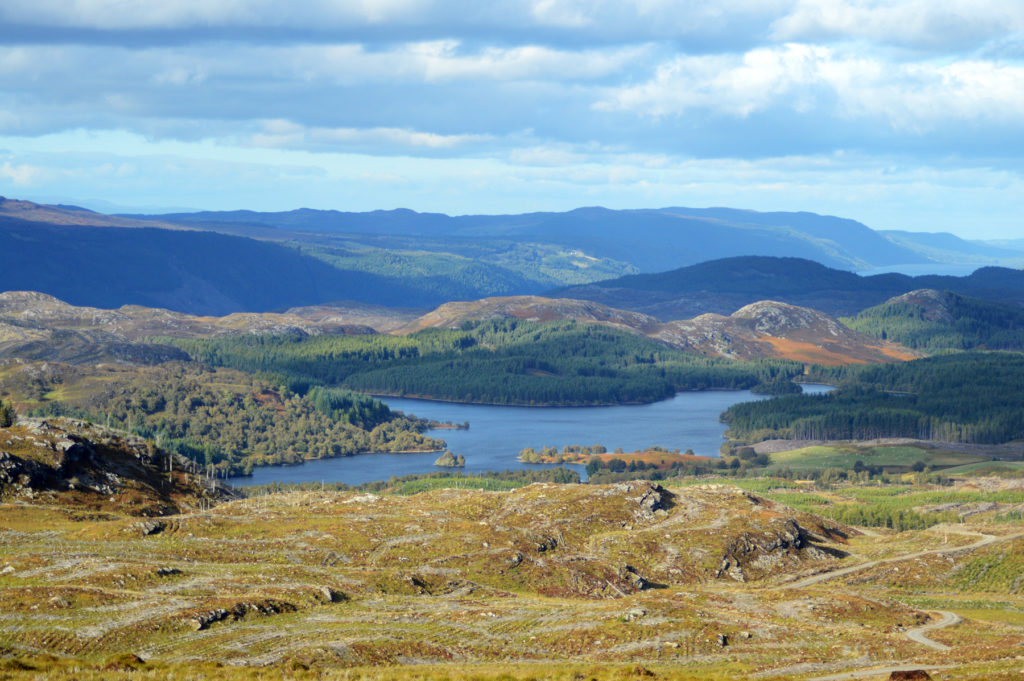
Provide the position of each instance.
(961, 324)
(505, 361)
(972, 397)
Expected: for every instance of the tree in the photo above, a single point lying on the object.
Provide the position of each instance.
(7, 415)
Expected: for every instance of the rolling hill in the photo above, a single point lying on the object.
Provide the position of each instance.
(763, 330)
(722, 286)
(941, 320)
(648, 239)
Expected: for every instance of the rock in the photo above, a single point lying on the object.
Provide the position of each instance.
(634, 614)
(205, 619)
(8, 569)
(148, 527)
(762, 549)
(329, 595)
(629, 573)
(167, 571)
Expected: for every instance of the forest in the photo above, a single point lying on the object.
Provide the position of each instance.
(231, 422)
(501, 361)
(961, 323)
(971, 397)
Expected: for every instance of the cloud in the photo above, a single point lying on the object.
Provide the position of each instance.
(913, 96)
(918, 23)
(21, 175)
(285, 134)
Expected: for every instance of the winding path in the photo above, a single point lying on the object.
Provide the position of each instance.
(918, 633)
(985, 540)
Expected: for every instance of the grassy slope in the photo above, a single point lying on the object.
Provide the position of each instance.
(845, 456)
(422, 582)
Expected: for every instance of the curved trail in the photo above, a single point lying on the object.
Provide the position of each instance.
(917, 634)
(985, 540)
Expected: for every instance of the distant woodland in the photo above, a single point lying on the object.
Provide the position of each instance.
(227, 420)
(972, 397)
(504, 361)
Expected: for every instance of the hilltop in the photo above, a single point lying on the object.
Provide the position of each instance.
(722, 286)
(942, 320)
(763, 330)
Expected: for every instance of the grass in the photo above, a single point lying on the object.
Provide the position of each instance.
(986, 468)
(845, 456)
(441, 583)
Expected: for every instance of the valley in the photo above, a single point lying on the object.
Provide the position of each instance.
(857, 528)
(710, 579)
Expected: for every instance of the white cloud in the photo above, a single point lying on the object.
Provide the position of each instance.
(21, 175)
(805, 78)
(925, 23)
(122, 14)
(282, 134)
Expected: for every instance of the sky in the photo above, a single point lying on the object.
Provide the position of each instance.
(903, 114)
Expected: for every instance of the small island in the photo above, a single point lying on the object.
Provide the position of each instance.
(450, 460)
(652, 457)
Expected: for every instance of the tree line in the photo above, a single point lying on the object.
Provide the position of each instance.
(970, 397)
(503, 361)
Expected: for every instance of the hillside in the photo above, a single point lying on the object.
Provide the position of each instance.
(941, 320)
(191, 271)
(29, 314)
(763, 330)
(76, 466)
(769, 329)
(636, 580)
(946, 247)
(722, 286)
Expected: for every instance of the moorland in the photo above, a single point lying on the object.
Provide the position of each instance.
(871, 529)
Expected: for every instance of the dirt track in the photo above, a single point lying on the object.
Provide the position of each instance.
(985, 540)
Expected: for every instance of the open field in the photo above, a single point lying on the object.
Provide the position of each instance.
(846, 456)
(544, 582)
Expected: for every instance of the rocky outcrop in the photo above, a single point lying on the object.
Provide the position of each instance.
(756, 554)
(79, 463)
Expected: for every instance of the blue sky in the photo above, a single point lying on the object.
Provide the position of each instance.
(904, 114)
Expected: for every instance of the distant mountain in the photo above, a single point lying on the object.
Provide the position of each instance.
(765, 329)
(193, 271)
(649, 239)
(941, 320)
(946, 247)
(723, 286)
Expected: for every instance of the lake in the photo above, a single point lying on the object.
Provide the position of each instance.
(496, 435)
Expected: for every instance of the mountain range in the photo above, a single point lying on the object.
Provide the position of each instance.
(245, 261)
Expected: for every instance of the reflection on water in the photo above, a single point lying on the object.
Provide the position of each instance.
(497, 434)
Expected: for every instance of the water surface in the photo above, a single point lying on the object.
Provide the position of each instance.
(497, 434)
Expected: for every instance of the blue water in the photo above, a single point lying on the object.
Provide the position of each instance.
(497, 434)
